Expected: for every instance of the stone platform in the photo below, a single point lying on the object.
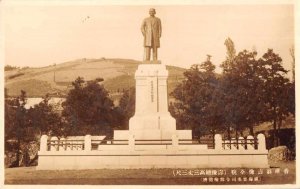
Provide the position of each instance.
(152, 119)
(63, 155)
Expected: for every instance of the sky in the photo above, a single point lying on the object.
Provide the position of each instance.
(42, 35)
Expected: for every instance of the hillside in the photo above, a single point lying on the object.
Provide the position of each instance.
(118, 75)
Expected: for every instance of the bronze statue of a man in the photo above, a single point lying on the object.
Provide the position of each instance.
(151, 29)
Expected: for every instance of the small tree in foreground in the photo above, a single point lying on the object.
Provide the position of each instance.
(17, 131)
(88, 109)
(126, 107)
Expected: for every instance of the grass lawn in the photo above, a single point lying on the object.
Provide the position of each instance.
(29, 175)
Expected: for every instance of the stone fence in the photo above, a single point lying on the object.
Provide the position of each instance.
(90, 152)
(241, 143)
(88, 144)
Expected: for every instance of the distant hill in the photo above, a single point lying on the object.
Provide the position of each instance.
(118, 75)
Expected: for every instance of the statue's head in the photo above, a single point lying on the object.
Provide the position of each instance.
(152, 12)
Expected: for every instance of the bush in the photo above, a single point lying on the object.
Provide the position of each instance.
(10, 68)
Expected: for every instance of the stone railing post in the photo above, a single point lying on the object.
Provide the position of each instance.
(43, 143)
(233, 145)
(218, 142)
(250, 142)
(87, 143)
(69, 146)
(131, 142)
(175, 141)
(261, 142)
(241, 143)
(226, 145)
(54, 144)
(62, 144)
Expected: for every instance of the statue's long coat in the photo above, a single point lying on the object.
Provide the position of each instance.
(151, 29)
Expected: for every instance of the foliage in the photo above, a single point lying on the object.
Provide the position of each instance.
(231, 53)
(17, 129)
(250, 91)
(292, 53)
(22, 126)
(45, 120)
(242, 89)
(10, 68)
(195, 106)
(279, 92)
(126, 107)
(88, 109)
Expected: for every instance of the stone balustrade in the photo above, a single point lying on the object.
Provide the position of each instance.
(241, 143)
(63, 144)
(90, 152)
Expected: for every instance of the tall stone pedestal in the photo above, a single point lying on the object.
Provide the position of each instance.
(152, 120)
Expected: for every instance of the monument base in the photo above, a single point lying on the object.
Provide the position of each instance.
(151, 135)
(152, 120)
(62, 154)
(150, 162)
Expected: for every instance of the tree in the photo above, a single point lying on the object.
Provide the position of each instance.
(231, 53)
(45, 120)
(126, 107)
(195, 107)
(292, 52)
(276, 91)
(243, 91)
(17, 131)
(88, 109)
(24, 126)
(291, 85)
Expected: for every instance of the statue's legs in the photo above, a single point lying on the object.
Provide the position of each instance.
(147, 53)
(154, 49)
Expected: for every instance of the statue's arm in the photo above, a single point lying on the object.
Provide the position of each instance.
(143, 28)
(159, 27)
